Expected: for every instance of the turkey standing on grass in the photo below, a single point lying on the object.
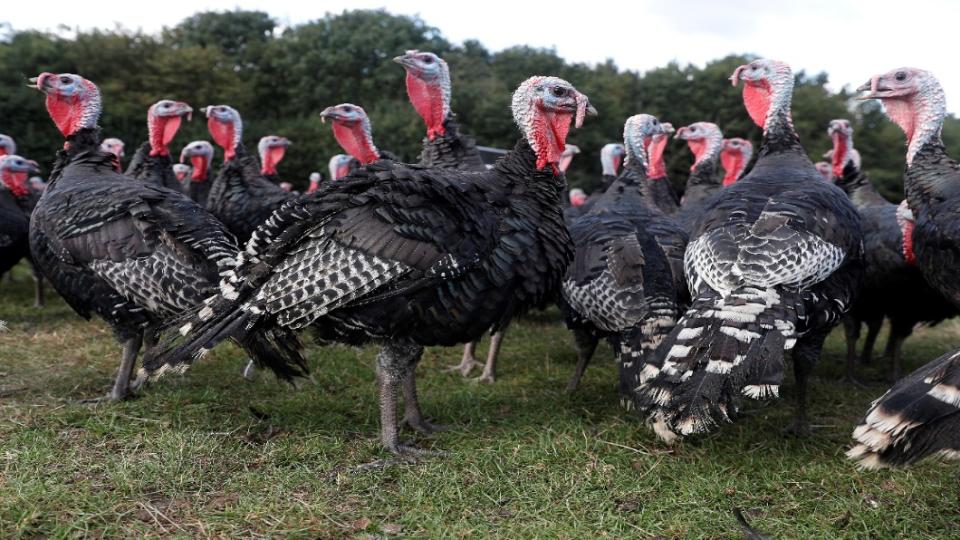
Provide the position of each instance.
(626, 281)
(131, 252)
(240, 196)
(406, 256)
(14, 172)
(151, 162)
(657, 189)
(920, 415)
(773, 263)
(893, 286)
(200, 155)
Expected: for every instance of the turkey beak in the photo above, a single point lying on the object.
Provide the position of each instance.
(403, 60)
(735, 78)
(34, 166)
(329, 112)
(870, 87)
(206, 110)
(680, 133)
(286, 142)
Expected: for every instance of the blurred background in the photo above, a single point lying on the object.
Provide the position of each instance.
(280, 66)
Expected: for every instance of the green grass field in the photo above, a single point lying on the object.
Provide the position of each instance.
(189, 458)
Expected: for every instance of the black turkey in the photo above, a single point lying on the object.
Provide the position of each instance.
(240, 196)
(151, 162)
(354, 133)
(773, 264)
(626, 281)
(131, 252)
(919, 416)
(200, 156)
(706, 142)
(16, 203)
(893, 286)
(272, 148)
(406, 256)
(657, 189)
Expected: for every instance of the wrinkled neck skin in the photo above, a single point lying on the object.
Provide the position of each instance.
(733, 163)
(356, 140)
(920, 117)
(636, 149)
(431, 101)
(227, 135)
(842, 146)
(200, 165)
(270, 158)
(546, 131)
(162, 130)
(71, 115)
(768, 104)
(16, 182)
(706, 151)
(658, 169)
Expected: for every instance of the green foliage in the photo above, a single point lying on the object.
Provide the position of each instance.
(281, 78)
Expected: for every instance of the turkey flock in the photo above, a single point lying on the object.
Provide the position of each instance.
(700, 297)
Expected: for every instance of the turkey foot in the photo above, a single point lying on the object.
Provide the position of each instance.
(121, 386)
(468, 362)
(424, 426)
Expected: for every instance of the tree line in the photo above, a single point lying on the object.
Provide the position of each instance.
(281, 78)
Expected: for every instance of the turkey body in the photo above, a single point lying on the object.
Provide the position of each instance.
(156, 170)
(14, 231)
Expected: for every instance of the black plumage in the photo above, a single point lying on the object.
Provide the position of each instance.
(704, 181)
(773, 263)
(626, 281)
(14, 228)
(406, 256)
(156, 170)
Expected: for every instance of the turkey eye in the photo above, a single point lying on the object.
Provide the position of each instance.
(901, 76)
(656, 122)
(428, 60)
(65, 80)
(559, 92)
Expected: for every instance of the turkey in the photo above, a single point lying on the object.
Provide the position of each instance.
(621, 284)
(406, 256)
(240, 197)
(353, 131)
(272, 149)
(151, 163)
(8, 146)
(14, 220)
(657, 189)
(893, 286)
(577, 197)
(133, 253)
(611, 159)
(773, 264)
(706, 142)
(14, 172)
(341, 165)
(116, 147)
(825, 170)
(315, 179)
(917, 418)
(914, 99)
(200, 156)
(182, 172)
(734, 157)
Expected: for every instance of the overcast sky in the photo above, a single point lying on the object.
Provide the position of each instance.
(849, 40)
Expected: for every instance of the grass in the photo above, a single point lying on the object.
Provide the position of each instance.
(189, 458)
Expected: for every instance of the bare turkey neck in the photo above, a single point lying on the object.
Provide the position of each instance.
(733, 164)
(636, 154)
(658, 168)
(921, 119)
(356, 141)
(706, 150)
(842, 144)
(431, 101)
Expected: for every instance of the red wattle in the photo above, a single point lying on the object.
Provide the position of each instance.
(732, 165)
(342, 171)
(903, 114)
(354, 141)
(313, 187)
(698, 147)
(16, 182)
(839, 154)
(223, 133)
(756, 98)
(273, 156)
(658, 168)
(427, 99)
(550, 130)
(199, 164)
(907, 230)
(64, 112)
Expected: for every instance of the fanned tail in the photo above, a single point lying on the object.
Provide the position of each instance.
(917, 418)
(634, 348)
(721, 348)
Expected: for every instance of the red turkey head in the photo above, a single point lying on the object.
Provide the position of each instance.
(351, 128)
(577, 197)
(825, 170)
(704, 139)
(181, 171)
(14, 170)
(339, 166)
(914, 99)
(113, 146)
(72, 101)
(428, 86)
(841, 133)
(315, 179)
(734, 157)
(768, 86)
(226, 128)
(906, 222)
(163, 121)
(638, 132)
(658, 144)
(271, 149)
(566, 157)
(543, 108)
(611, 158)
(200, 154)
(7, 145)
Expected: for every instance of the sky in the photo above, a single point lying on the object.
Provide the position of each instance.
(850, 40)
